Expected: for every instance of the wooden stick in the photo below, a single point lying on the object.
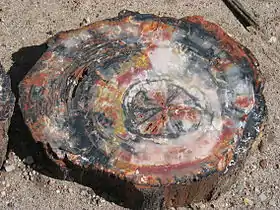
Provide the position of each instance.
(241, 14)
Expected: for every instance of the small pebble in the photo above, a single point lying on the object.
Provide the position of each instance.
(272, 39)
(57, 191)
(272, 203)
(262, 197)
(247, 201)
(9, 168)
(263, 163)
(3, 193)
(257, 191)
(70, 190)
(50, 182)
(202, 206)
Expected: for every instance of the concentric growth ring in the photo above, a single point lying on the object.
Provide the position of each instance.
(157, 101)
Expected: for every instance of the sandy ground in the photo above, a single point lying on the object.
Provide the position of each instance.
(25, 23)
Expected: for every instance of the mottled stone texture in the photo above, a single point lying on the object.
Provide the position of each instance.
(7, 101)
(164, 108)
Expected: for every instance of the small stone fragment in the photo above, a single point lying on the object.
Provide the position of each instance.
(202, 206)
(263, 163)
(272, 39)
(257, 191)
(272, 203)
(50, 182)
(9, 168)
(270, 137)
(3, 194)
(262, 197)
(247, 201)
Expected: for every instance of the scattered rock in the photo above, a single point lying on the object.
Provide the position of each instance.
(257, 191)
(3, 194)
(272, 39)
(247, 201)
(270, 137)
(263, 163)
(9, 168)
(262, 197)
(272, 203)
(50, 182)
(202, 206)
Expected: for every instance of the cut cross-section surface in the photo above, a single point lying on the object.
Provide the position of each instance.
(164, 104)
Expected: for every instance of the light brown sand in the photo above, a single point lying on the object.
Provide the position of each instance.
(25, 23)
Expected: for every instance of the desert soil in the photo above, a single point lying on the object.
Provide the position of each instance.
(25, 23)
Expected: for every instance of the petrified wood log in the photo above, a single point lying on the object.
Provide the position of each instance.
(7, 101)
(166, 107)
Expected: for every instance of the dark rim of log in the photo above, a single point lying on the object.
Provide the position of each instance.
(7, 101)
(165, 108)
